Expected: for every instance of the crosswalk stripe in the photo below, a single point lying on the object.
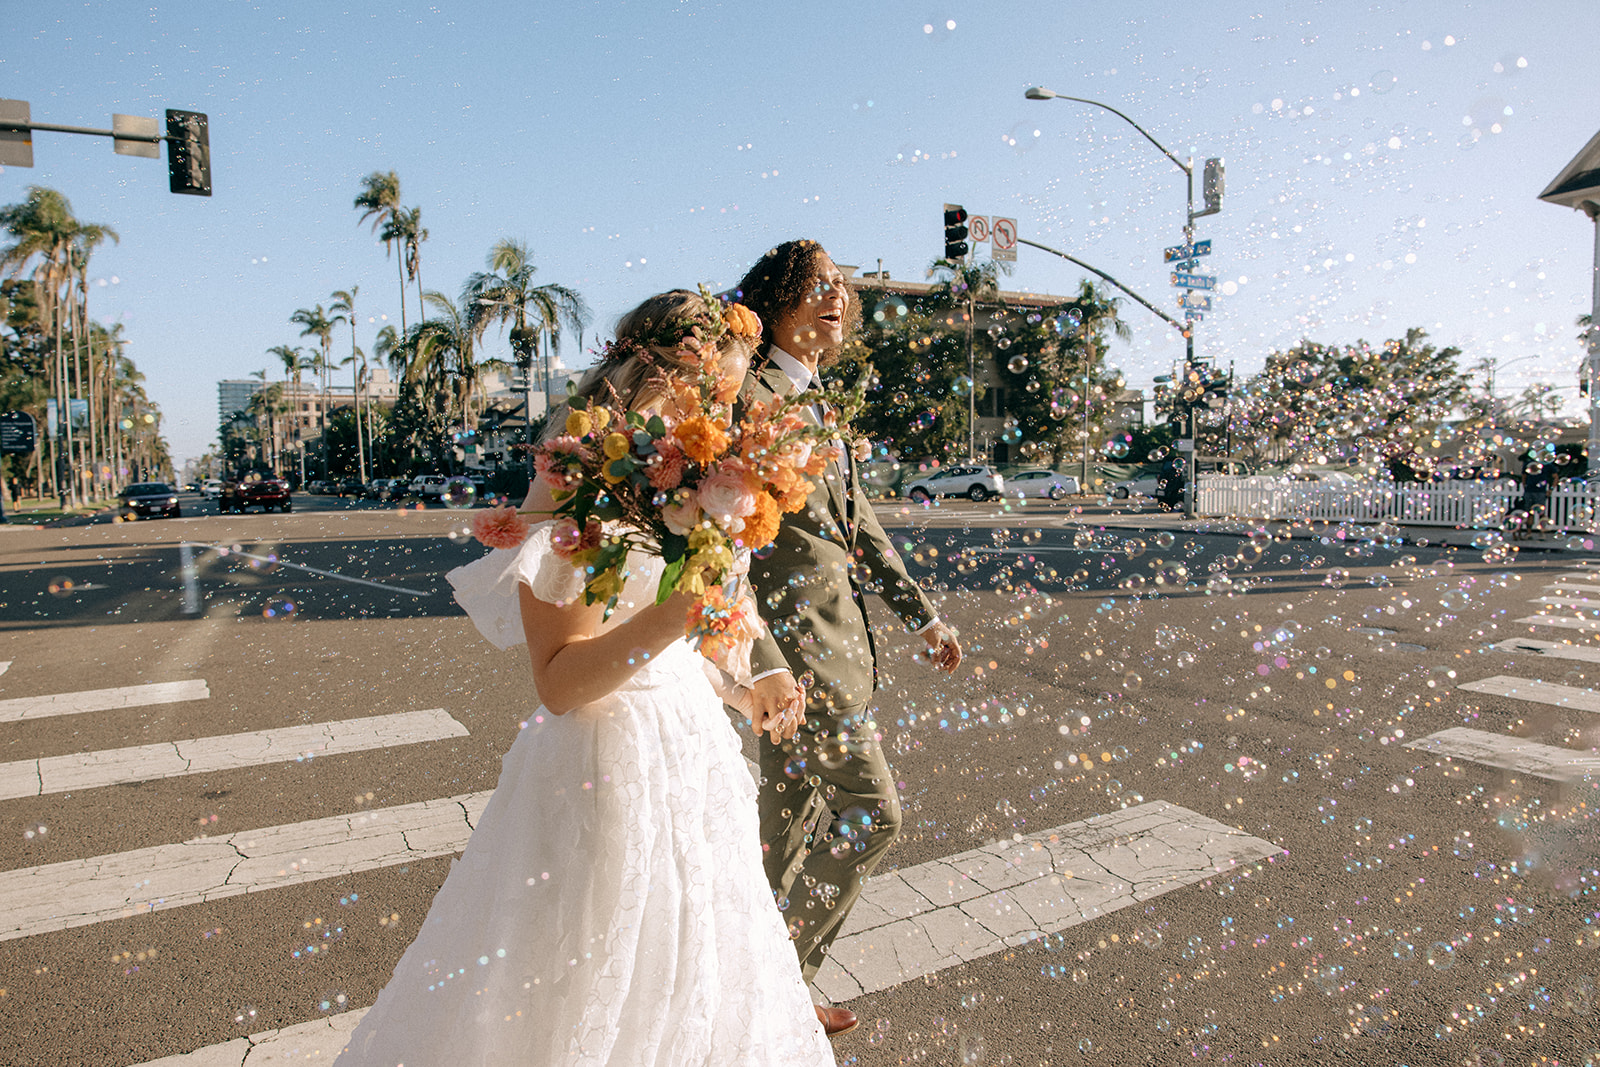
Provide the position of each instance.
(1562, 696)
(1510, 753)
(1561, 622)
(1569, 586)
(919, 920)
(60, 896)
(143, 763)
(1552, 649)
(1567, 602)
(5, 665)
(18, 709)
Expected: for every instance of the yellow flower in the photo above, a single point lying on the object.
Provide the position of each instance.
(578, 424)
(692, 582)
(605, 585)
(704, 537)
(601, 416)
(615, 445)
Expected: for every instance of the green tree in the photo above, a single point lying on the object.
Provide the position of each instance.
(379, 202)
(317, 324)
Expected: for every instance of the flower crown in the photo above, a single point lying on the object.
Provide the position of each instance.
(692, 331)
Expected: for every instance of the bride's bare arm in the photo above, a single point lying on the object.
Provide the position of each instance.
(575, 661)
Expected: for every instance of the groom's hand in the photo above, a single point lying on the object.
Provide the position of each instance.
(944, 651)
(777, 706)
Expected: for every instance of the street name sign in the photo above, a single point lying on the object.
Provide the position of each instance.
(1197, 301)
(17, 433)
(1194, 281)
(1199, 248)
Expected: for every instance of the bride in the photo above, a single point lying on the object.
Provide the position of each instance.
(610, 906)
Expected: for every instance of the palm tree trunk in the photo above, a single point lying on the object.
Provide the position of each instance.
(400, 265)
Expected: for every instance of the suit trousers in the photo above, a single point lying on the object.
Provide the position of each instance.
(829, 811)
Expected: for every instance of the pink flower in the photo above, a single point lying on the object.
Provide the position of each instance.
(726, 496)
(500, 527)
(566, 540)
(667, 470)
(682, 515)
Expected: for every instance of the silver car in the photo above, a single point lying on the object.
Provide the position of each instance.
(971, 480)
(1042, 483)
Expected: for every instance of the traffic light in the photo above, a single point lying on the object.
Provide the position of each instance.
(955, 231)
(188, 153)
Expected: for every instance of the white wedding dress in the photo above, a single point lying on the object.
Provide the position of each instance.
(610, 906)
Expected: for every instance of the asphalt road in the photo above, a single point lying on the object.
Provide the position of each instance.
(1405, 908)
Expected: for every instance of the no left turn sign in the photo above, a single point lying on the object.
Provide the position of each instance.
(1004, 236)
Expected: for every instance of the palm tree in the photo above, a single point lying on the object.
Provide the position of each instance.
(318, 325)
(344, 309)
(404, 228)
(295, 364)
(89, 236)
(44, 230)
(505, 294)
(379, 200)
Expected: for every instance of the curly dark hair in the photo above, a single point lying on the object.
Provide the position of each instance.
(779, 283)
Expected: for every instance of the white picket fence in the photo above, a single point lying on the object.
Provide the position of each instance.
(1465, 505)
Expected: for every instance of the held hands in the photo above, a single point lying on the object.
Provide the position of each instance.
(944, 651)
(777, 706)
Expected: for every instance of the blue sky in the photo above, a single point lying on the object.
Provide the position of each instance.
(1383, 159)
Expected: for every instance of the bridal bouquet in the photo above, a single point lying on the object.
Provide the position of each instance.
(698, 489)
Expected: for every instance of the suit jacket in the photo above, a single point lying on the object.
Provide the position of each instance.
(810, 587)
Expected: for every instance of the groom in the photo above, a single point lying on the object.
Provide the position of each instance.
(828, 804)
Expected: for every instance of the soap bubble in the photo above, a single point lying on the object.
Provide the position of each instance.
(459, 492)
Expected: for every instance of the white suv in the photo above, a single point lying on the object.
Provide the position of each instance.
(425, 485)
(973, 481)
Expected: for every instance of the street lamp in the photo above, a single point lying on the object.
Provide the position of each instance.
(1213, 200)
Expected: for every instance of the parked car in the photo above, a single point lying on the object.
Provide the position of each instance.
(384, 489)
(321, 487)
(255, 489)
(973, 481)
(1042, 483)
(352, 487)
(211, 488)
(148, 498)
(424, 486)
(1144, 485)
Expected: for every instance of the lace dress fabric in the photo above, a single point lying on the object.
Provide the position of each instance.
(610, 906)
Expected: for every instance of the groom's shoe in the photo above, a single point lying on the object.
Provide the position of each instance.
(836, 1021)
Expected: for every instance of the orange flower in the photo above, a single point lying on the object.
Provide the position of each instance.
(701, 439)
(742, 322)
(794, 498)
(762, 527)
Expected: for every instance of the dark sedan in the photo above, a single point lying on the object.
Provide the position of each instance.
(254, 490)
(148, 498)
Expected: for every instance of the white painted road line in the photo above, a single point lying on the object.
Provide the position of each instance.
(1561, 622)
(921, 920)
(1569, 587)
(1561, 696)
(60, 896)
(5, 665)
(1510, 753)
(1552, 649)
(1567, 602)
(124, 696)
(221, 551)
(143, 763)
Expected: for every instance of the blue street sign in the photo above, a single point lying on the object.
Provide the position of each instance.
(1196, 301)
(1199, 248)
(1192, 316)
(1194, 281)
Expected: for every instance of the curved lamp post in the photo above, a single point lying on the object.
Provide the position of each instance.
(1213, 201)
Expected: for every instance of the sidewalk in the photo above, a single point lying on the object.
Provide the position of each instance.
(1150, 518)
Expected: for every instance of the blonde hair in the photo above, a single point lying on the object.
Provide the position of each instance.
(648, 352)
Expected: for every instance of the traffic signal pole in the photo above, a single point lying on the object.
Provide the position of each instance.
(188, 142)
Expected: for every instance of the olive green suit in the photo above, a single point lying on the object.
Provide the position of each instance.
(829, 807)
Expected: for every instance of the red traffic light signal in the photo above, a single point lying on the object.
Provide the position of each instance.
(955, 231)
